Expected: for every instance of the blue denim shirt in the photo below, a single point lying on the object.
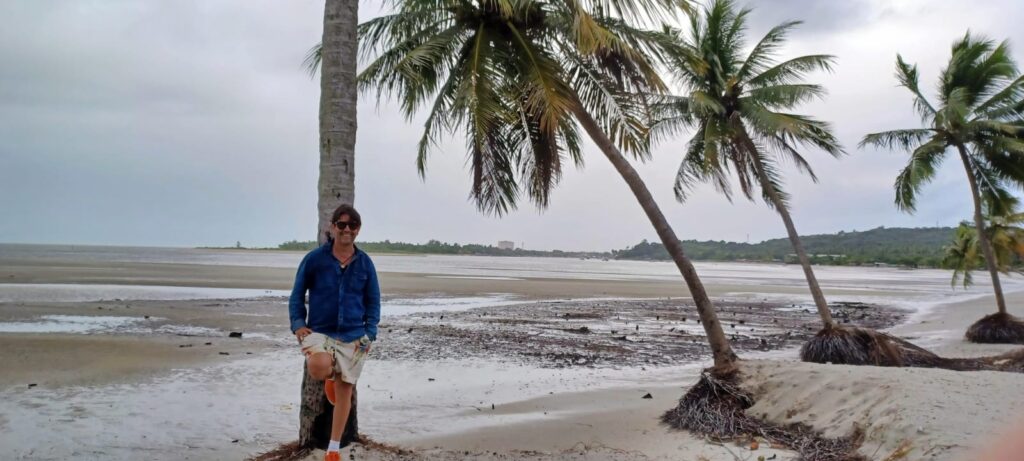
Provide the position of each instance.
(342, 305)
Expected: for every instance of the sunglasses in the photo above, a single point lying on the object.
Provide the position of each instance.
(350, 224)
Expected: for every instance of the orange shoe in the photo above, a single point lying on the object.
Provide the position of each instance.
(329, 390)
(332, 456)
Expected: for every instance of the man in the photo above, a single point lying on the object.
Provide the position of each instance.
(344, 306)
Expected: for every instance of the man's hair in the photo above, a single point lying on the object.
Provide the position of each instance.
(344, 209)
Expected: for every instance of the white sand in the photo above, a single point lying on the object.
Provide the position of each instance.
(943, 415)
(935, 414)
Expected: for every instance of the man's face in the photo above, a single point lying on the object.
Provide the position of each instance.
(345, 230)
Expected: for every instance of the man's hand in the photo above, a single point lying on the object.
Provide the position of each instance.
(302, 333)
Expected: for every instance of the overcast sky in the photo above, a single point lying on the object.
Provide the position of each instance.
(184, 123)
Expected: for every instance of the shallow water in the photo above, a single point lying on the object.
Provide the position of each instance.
(71, 292)
(71, 324)
(503, 268)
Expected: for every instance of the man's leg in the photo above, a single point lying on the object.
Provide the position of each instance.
(343, 391)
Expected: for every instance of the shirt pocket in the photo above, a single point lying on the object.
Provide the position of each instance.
(358, 283)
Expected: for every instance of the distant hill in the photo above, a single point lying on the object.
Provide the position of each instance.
(915, 247)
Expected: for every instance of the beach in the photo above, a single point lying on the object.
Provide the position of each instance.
(478, 358)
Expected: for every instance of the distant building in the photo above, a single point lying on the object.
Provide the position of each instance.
(506, 245)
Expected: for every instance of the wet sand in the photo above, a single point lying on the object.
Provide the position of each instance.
(611, 421)
(394, 283)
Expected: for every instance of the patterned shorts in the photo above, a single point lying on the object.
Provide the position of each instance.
(348, 357)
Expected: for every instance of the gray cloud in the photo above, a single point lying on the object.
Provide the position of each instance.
(192, 123)
(818, 16)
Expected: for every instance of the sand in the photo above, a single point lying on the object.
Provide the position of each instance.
(393, 283)
(935, 414)
(938, 414)
(928, 414)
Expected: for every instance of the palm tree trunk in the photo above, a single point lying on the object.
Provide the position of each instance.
(794, 237)
(983, 240)
(337, 182)
(721, 351)
(337, 109)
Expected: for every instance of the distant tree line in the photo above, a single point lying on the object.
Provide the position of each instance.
(911, 247)
(442, 248)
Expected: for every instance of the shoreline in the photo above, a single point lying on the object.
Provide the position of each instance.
(572, 412)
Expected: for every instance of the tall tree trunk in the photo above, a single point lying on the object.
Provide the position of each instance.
(337, 182)
(794, 237)
(979, 225)
(337, 109)
(721, 351)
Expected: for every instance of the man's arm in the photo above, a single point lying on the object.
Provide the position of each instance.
(372, 302)
(297, 301)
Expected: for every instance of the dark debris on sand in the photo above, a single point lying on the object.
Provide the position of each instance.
(608, 333)
(715, 407)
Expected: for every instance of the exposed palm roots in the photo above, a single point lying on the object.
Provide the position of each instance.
(715, 407)
(997, 328)
(848, 345)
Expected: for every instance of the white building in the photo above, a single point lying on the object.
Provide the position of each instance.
(506, 245)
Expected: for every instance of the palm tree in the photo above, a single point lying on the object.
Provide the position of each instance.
(979, 116)
(738, 106)
(516, 76)
(336, 57)
(963, 256)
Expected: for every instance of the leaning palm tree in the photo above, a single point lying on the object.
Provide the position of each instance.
(518, 78)
(739, 106)
(979, 116)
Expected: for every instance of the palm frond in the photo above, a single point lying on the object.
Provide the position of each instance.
(774, 182)
(920, 170)
(907, 75)
(786, 96)
(788, 152)
(699, 167)
(794, 128)
(907, 140)
(792, 70)
(669, 116)
(762, 55)
(312, 61)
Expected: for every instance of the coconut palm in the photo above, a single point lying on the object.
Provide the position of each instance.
(519, 78)
(739, 107)
(963, 255)
(979, 117)
(336, 57)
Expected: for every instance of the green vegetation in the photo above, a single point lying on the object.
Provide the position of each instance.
(1006, 236)
(436, 247)
(912, 247)
(917, 247)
